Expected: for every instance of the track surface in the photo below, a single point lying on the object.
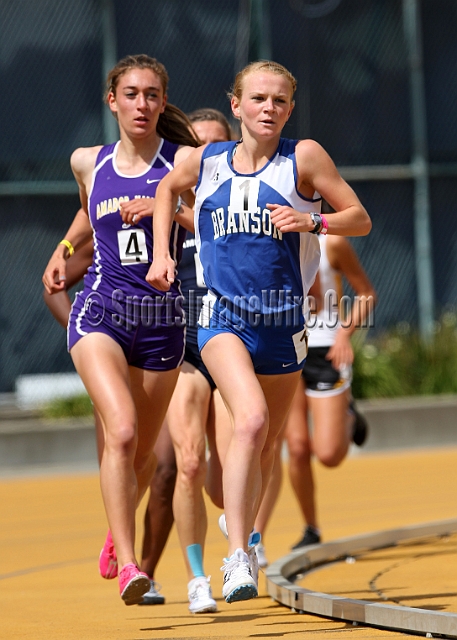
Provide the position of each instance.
(52, 528)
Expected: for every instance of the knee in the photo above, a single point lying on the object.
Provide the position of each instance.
(122, 441)
(331, 454)
(299, 451)
(165, 478)
(192, 467)
(252, 431)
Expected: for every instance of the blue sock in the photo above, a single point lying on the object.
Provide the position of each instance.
(195, 557)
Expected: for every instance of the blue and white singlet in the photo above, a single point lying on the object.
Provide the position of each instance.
(274, 270)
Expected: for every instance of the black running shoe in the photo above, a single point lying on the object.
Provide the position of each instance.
(360, 428)
(310, 536)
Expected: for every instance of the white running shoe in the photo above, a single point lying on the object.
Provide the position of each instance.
(261, 556)
(200, 597)
(238, 581)
(254, 537)
(253, 543)
(153, 596)
(223, 525)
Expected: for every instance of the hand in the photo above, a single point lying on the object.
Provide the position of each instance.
(287, 219)
(55, 274)
(341, 353)
(133, 211)
(161, 273)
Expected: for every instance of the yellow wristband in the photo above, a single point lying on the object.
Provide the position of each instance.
(69, 246)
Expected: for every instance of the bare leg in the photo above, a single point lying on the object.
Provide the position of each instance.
(219, 433)
(330, 442)
(272, 492)
(187, 416)
(99, 435)
(299, 446)
(132, 404)
(268, 503)
(332, 428)
(258, 406)
(158, 519)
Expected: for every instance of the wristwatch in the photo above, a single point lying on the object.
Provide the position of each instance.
(318, 223)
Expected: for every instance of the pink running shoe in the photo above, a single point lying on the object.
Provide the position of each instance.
(107, 562)
(133, 584)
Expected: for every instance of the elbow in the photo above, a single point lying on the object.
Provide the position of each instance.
(365, 225)
(368, 223)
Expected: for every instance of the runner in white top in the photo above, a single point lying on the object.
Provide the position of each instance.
(325, 386)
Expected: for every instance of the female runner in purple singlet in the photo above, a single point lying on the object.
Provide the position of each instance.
(126, 338)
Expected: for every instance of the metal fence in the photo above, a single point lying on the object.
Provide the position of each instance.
(377, 85)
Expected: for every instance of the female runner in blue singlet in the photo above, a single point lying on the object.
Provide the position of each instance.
(257, 216)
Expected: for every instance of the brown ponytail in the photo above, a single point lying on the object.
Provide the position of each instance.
(175, 126)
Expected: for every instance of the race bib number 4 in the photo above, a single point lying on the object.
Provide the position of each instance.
(132, 246)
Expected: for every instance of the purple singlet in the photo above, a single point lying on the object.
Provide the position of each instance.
(117, 300)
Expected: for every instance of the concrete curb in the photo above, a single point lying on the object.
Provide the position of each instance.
(411, 422)
(26, 440)
(37, 442)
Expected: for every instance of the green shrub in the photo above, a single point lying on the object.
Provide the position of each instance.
(396, 363)
(73, 407)
(400, 363)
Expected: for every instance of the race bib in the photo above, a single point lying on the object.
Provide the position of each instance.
(199, 271)
(244, 194)
(301, 345)
(132, 246)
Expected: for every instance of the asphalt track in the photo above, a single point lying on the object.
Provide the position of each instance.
(52, 528)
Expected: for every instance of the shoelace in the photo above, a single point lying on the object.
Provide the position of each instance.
(233, 563)
(199, 587)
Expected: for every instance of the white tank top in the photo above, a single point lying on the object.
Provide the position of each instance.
(326, 322)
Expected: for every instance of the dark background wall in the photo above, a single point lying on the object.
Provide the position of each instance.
(350, 60)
